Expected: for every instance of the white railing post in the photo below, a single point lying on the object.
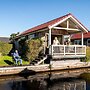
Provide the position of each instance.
(75, 49)
(82, 38)
(52, 49)
(64, 49)
(50, 41)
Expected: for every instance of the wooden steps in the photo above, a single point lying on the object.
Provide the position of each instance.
(39, 60)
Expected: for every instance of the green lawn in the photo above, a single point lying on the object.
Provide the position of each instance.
(7, 61)
(88, 53)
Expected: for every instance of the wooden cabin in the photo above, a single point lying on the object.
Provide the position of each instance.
(59, 27)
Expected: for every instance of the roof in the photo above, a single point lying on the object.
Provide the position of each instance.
(50, 23)
(79, 36)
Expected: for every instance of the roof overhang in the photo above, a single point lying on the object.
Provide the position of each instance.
(80, 27)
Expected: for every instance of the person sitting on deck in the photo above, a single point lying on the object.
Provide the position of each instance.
(55, 41)
(68, 41)
(17, 57)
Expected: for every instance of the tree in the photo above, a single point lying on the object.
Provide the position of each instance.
(33, 48)
(13, 35)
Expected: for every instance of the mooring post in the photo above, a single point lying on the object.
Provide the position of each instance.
(50, 59)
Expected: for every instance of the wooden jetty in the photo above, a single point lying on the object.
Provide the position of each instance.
(13, 70)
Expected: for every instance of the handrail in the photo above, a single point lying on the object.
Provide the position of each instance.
(69, 49)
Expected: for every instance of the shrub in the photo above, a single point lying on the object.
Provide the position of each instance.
(33, 48)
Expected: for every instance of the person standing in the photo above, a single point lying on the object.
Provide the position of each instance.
(55, 41)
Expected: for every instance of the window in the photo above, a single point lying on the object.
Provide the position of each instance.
(31, 36)
(77, 42)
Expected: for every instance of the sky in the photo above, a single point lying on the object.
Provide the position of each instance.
(20, 15)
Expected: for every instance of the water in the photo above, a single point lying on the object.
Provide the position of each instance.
(63, 80)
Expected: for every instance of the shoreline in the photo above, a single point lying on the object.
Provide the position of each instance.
(15, 70)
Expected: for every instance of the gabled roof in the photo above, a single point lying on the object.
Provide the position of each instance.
(51, 23)
(79, 36)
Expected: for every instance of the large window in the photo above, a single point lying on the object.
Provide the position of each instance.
(88, 42)
(31, 36)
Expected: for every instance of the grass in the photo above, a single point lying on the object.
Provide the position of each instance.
(88, 51)
(86, 76)
(7, 61)
(88, 54)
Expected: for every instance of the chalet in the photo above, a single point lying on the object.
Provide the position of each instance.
(59, 27)
(76, 39)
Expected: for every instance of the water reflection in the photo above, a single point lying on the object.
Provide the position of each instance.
(68, 84)
(47, 81)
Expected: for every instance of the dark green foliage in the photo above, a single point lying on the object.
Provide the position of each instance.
(33, 48)
(13, 35)
(5, 48)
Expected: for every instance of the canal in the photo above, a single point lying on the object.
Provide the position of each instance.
(58, 80)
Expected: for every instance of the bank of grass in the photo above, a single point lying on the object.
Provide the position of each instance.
(88, 51)
(88, 54)
(7, 61)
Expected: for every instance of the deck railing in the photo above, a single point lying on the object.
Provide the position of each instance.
(68, 50)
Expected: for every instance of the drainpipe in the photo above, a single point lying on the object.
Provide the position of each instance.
(50, 50)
